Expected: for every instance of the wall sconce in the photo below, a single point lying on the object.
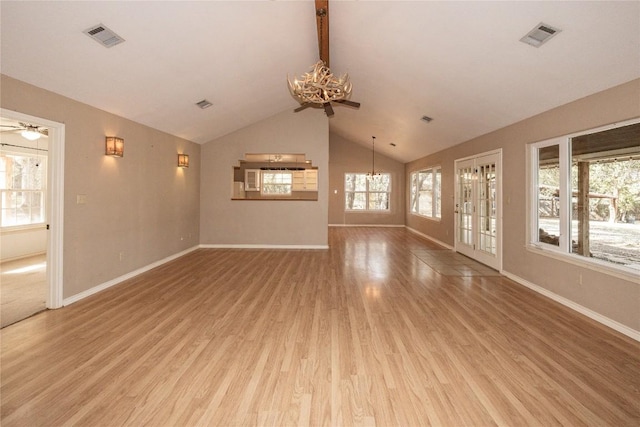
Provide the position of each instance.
(114, 146)
(183, 160)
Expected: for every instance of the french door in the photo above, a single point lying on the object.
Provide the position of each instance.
(478, 208)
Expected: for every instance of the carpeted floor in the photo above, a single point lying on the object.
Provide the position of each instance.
(23, 288)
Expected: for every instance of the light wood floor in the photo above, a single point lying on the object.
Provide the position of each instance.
(367, 333)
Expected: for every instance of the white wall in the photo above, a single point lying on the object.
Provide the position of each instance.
(258, 222)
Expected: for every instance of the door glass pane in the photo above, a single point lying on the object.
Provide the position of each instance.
(487, 206)
(465, 208)
(549, 195)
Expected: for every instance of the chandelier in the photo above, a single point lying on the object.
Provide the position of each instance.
(320, 86)
(371, 175)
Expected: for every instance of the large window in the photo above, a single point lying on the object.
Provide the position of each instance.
(276, 183)
(367, 193)
(22, 189)
(426, 192)
(586, 195)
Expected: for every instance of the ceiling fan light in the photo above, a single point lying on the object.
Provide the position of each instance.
(30, 134)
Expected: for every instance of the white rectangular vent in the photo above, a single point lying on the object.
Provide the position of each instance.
(540, 35)
(103, 35)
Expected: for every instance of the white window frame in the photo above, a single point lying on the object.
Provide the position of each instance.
(276, 172)
(436, 196)
(367, 192)
(43, 192)
(563, 251)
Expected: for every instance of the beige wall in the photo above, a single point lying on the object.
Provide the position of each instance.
(346, 156)
(262, 222)
(147, 208)
(142, 204)
(613, 297)
(442, 229)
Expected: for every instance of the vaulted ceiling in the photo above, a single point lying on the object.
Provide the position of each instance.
(460, 63)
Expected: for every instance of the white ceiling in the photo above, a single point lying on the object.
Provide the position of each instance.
(459, 62)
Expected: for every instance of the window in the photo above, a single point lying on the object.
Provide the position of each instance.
(276, 183)
(426, 192)
(367, 193)
(586, 195)
(22, 189)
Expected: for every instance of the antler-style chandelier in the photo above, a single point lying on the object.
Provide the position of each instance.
(320, 86)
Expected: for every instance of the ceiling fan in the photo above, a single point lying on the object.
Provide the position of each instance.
(319, 87)
(28, 131)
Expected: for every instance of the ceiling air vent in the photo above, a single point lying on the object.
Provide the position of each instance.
(426, 119)
(103, 35)
(204, 104)
(540, 35)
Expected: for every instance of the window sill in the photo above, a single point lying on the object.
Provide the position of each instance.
(280, 199)
(367, 211)
(430, 218)
(620, 272)
(20, 228)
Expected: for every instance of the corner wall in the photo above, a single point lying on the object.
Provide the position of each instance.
(226, 222)
(348, 157)
(141, 205)
(615, 298)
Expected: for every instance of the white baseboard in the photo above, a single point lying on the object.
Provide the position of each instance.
(112, 282)
(367, 225)
(623, 329)
(413, 230)
(243, 246)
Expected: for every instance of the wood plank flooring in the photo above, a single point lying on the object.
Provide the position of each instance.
(383, 329)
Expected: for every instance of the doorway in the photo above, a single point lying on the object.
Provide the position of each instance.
(478, 208)
(51, 221)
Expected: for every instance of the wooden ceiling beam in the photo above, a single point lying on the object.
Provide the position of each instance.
(322, 24)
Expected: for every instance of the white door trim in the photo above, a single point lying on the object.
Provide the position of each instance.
(55, 202)
(499, 205)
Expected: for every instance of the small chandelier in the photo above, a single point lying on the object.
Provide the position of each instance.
(320, 86)
(373, 173)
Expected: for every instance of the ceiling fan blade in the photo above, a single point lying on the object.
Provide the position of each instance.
(328, 109)
(322, 24)
(349, 103)
(302, 107)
